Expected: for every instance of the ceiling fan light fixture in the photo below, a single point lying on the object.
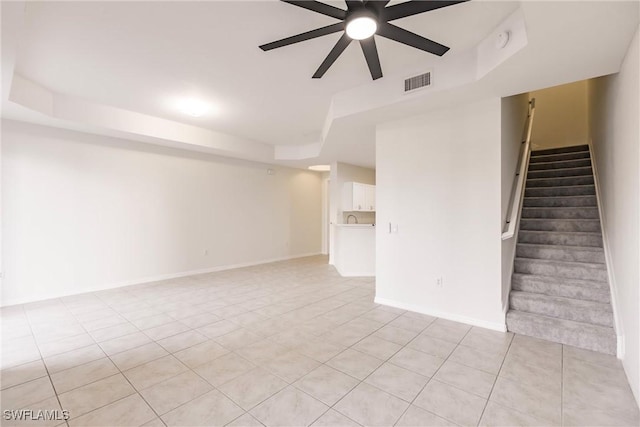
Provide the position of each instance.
(361, 27)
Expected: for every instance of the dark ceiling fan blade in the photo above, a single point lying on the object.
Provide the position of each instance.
(378, 5)
(415, 7)
(401, 35)
(319, 7)
(318, 32)
(333, 55)
(371, 55)
(354, 4)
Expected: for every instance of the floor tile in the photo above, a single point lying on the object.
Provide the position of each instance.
(465, 378)
(396, 335)
(83, 374)
(370, 406)
(95, 395)
(22, 373)
(210, 409)
(528, 398)
(129, 411)
(355, 363)
(333, 418)
(200, 354)
(485, 361)
(181, 341)
(326, 384)
(377, 347)
(169, 394)
(246, 420)
(138, 356)
(219, 328)
(66, 344)
(20, 396)
(224, 368)
(262, 351)
(153, 372)
(398, 381)
(320, 350)
(433, 346)
(417, 361)
(484, 339)
(252, 387)
(112, 332)
(451, 403)
(74, 358)
(167, 330)
(289, 407)
(237, 339)
(417, 417)
(124, 343)
(500, 416)
(291, 366)
(451, 331)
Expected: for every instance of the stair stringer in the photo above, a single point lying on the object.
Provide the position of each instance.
(617, 323)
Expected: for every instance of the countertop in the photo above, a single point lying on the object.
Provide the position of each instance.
(355, 225)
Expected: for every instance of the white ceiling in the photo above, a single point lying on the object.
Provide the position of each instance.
(143, 56)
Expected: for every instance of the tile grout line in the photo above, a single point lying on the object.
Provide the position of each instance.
(497, 377)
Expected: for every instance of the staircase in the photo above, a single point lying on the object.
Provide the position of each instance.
(560, 290)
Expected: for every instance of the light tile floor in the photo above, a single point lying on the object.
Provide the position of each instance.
(289, 344)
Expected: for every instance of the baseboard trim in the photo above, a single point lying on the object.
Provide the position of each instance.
(160, 277)
(496, 326)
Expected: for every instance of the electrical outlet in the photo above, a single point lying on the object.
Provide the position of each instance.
(206, 252)
(439, 282)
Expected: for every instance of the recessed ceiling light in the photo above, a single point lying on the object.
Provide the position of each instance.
(320, 168)
(362, 27)
(194, 107)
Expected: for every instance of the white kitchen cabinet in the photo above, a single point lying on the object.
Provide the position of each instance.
(358, 197)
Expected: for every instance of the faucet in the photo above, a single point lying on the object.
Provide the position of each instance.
(354, 217)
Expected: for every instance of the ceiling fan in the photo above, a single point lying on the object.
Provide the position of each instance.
(361, 21)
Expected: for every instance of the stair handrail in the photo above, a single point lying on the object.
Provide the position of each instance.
(517, 190)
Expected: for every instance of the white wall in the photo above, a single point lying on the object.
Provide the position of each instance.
(341, 173)
(613, 114)
(514, 110)
(438, 180)
(561, 116)
(83, 212)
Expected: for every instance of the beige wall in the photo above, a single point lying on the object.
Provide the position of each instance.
(613, 114)
(561, 116)
(83, 212)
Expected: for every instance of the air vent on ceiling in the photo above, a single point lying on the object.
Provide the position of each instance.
(417, 82)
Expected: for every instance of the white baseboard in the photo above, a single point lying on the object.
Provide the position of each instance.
(496, 326)
(157, 278)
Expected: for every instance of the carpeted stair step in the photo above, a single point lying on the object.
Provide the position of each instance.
(560, 238)
(558, 157)
(560, 182)
(591, 312)
(577, 334)
(561, 150)
(577, 238)
(570, 190)
(560, 201)
(558, 173)
(569, 288)
(561, 213)
(567, 269)
(561, 164)
(561, 253)
(566, 225)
